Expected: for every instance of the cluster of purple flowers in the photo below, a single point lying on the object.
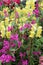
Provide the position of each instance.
(36, 11)
(7, 45)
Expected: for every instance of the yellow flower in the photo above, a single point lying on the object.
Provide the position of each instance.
(2, 30)
(32, 33)
(3, 34)
(30, 4)
(34, 27)
(18, 10)
(39, 31)
(6, 21)
(41, 4)
(8, 34)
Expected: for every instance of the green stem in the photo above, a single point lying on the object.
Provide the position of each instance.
(31, 53)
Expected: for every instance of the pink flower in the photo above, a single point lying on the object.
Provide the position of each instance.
(5, 13)
(14, 37)
(25, 62)
(1, 4)
(33, 22)
(10, 28)
(19, 44)
(7, 2)
(6, 58)
(41, 60)
(16, 1)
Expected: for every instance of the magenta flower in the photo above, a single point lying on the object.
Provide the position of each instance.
(37, 53)
(1, 3)
(21, 54)
(41, 60)
(27, 26)
(16, 15)
(14, 37)
(5, 13)
(10, 28)
(6, 58)
(33, 22)
(24, 62)
(19, 44)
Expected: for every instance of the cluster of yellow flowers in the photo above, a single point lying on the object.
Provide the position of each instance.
(35, 31)
(23, 17)
(4, 28)
(28, 9)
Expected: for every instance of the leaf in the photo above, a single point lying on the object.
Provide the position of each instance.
(41, 39)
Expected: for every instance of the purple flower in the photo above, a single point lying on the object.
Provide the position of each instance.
(6, 44)
(19, 44)
(36, 12)
(36, 5)
(21, 54)
(36, 53)
(1, 3)
(21, 28)
(24, 62)
(29, 14)
(10, 28)
(16, 15)
(33, 22)
(27, 26)
(14, 37)
(13, 44)
(6, 58)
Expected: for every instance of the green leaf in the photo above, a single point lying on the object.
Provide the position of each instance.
(41, 39)
(0, 63)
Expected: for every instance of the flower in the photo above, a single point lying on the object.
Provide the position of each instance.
(39, 31)
(10, 28)
(6, 58)
(24, 62)
(41, 60)
(6, 2)
(16, 1)
(1, 3)
(14, 37)
(32, 33)
(37, 53)
(19, 44)
(8, 34)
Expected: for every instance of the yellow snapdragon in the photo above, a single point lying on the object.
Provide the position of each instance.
(39, 31)
(8, 34)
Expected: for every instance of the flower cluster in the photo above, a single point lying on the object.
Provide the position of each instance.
(21, 32)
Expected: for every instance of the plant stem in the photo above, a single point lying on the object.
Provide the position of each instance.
(31, 53)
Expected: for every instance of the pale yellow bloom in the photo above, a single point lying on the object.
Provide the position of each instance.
(8, 34)
(32, 33)
(39, 31)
